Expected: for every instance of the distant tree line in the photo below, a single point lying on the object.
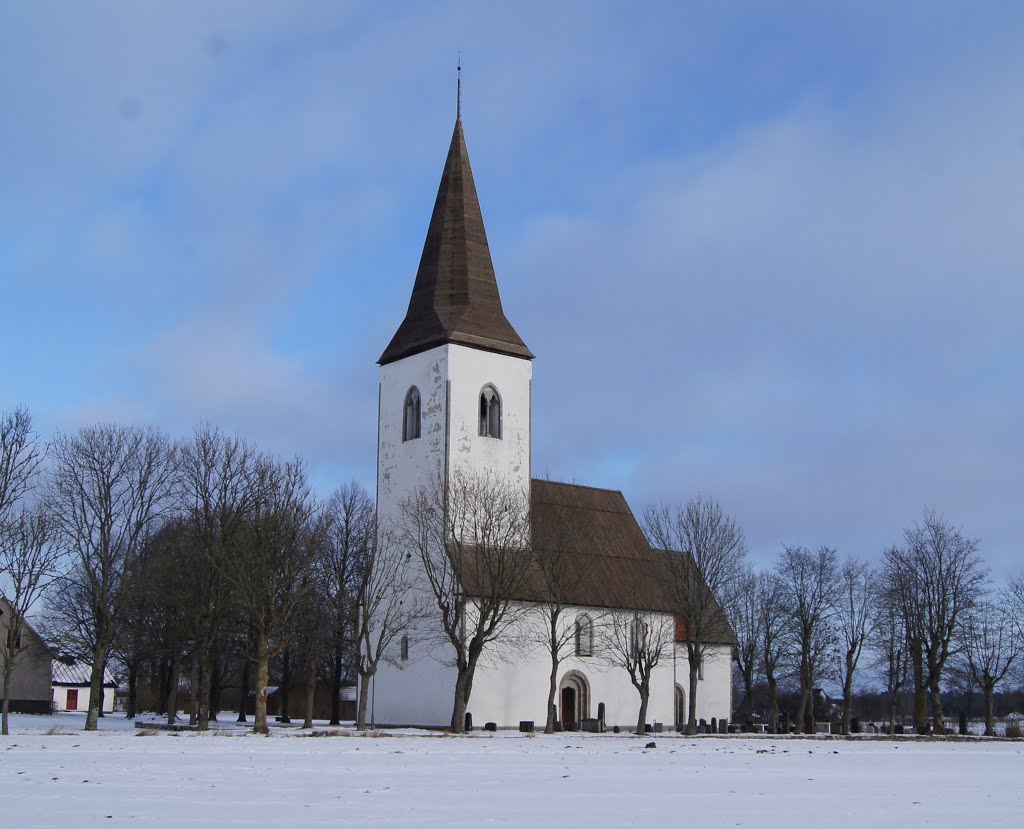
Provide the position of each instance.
(927, 619)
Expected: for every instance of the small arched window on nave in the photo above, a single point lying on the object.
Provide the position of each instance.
(411, 415)
(490, 412)
(584, 635)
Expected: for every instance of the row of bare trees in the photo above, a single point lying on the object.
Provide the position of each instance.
(184, 552)
(927, 610)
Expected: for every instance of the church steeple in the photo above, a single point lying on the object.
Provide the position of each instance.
(455, 297)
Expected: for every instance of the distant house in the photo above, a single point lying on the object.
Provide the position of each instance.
(30, 686)
(71, 686)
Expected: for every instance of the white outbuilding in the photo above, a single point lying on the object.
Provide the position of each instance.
(71, 690)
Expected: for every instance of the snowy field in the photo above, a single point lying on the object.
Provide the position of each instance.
(290, 779)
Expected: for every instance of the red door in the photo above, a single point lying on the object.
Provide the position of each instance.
(72, 699)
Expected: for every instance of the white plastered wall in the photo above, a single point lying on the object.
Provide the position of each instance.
(511, 683)
(419, 691)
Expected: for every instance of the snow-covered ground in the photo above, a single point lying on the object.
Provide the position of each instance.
(290, 779)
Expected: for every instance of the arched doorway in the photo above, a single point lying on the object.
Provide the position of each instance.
(573, 700)
(681, 712)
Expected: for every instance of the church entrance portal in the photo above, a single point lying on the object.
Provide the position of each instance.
(681, 712)
(568, 707)
(574, 700)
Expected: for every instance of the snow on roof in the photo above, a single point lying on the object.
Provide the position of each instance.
(77, 673)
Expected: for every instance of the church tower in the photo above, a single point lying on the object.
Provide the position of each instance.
(455, 378)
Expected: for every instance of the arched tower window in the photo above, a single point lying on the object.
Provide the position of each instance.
(584, 635)
(411, 415)
(490, 412)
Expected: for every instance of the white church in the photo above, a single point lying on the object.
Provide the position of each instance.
(455, 393)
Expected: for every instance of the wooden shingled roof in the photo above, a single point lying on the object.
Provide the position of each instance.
(455, 297)
(608, 562)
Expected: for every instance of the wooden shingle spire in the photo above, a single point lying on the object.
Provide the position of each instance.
(455, 297)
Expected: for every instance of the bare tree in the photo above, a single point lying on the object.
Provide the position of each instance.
(110, 487)
(748, 623)
(890, 644)
(637, 640)
(938, 577)
(854, 622)
(809, 583)
(20, 457)
(470, 538)
(992, 646)
(270, 570)
(388, 606)
(218, 497)
(350, 523)
(904, 599)
(771, 604)
(28, 562)
(714, 551)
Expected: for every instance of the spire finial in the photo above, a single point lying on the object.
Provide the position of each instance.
(458, 104)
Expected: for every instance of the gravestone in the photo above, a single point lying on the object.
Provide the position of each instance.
(469, 722)
(526, 726)
(490, 726)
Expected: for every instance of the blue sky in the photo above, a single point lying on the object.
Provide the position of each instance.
(772, 251)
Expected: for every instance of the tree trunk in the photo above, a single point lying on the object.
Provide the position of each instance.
(243, 693)
(691, 703)
(8, 673)
(131, 709)
(641, 719)
(99, 664)
(549, 724)
(773, 704)
(920, 692)
(848, 695)
(262, 680)
(310, 689)
(286, 682)
(193, 690)
(364, 698)
(463, 685)
(989, 689)
(748, 684)
(336, 687)
(215, 688)
(936, 693)
(172, 691)
(205, 671)
(164, 670)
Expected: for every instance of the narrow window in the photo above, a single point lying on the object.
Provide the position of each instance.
(638, 639)
(411, 415)
(490, 412)
(584, 636)
(405, 648)
(700, 666)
